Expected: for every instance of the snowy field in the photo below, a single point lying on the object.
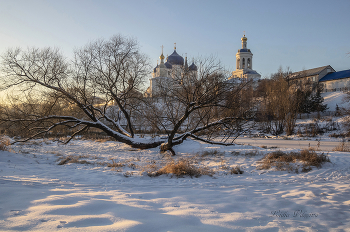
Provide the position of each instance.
(37, 194)
(105, 186)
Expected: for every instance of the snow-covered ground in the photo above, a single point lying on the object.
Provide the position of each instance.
(332, 99)
(37, 194)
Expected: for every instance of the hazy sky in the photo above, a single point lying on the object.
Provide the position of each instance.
(297, 34)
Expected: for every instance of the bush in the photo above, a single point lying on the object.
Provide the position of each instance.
(282, 161)
(343, 146)
(115, 164)
(181, 168)
(5, 143)
(72, 159)
(237, 170)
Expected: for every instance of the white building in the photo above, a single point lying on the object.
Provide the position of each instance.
(169, 73)
(313, 75)
(325, 75)
(336, 81)
(244, 63)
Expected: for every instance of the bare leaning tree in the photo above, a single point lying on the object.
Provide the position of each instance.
(197, 104)
(101, 88)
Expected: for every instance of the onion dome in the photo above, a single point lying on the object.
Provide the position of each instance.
(192, 67)
(244, 39)
(168, 65)
(161, 57)
(175, 58)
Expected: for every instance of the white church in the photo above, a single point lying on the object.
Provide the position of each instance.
(167, 71)
(244, 63)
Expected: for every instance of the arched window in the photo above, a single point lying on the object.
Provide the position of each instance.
(243, 63)
(238, 63)
(248, 63)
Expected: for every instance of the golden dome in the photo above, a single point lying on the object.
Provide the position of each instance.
(244, 39)
(161, 57)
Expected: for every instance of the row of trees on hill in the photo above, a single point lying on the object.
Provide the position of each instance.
(100, 89)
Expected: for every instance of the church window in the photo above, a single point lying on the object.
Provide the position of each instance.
(248, 62)
(243, 63)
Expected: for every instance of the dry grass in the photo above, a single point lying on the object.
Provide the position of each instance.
(249, 154)
(115, 164)
(181, 168)
(236, 170)
(211, 153)
(5, 143)
(132, 166)
(152, 166)
(72, 159)
(343, 146)
(128, 174)
(266, 147)
(283, 161)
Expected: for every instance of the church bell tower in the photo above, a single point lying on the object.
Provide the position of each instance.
(244, 63)
(244, 57)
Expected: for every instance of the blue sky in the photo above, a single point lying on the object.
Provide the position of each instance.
(296, 34)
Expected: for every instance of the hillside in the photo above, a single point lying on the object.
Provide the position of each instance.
(335, 98)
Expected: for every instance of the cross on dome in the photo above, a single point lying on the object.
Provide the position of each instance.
(162, 56)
